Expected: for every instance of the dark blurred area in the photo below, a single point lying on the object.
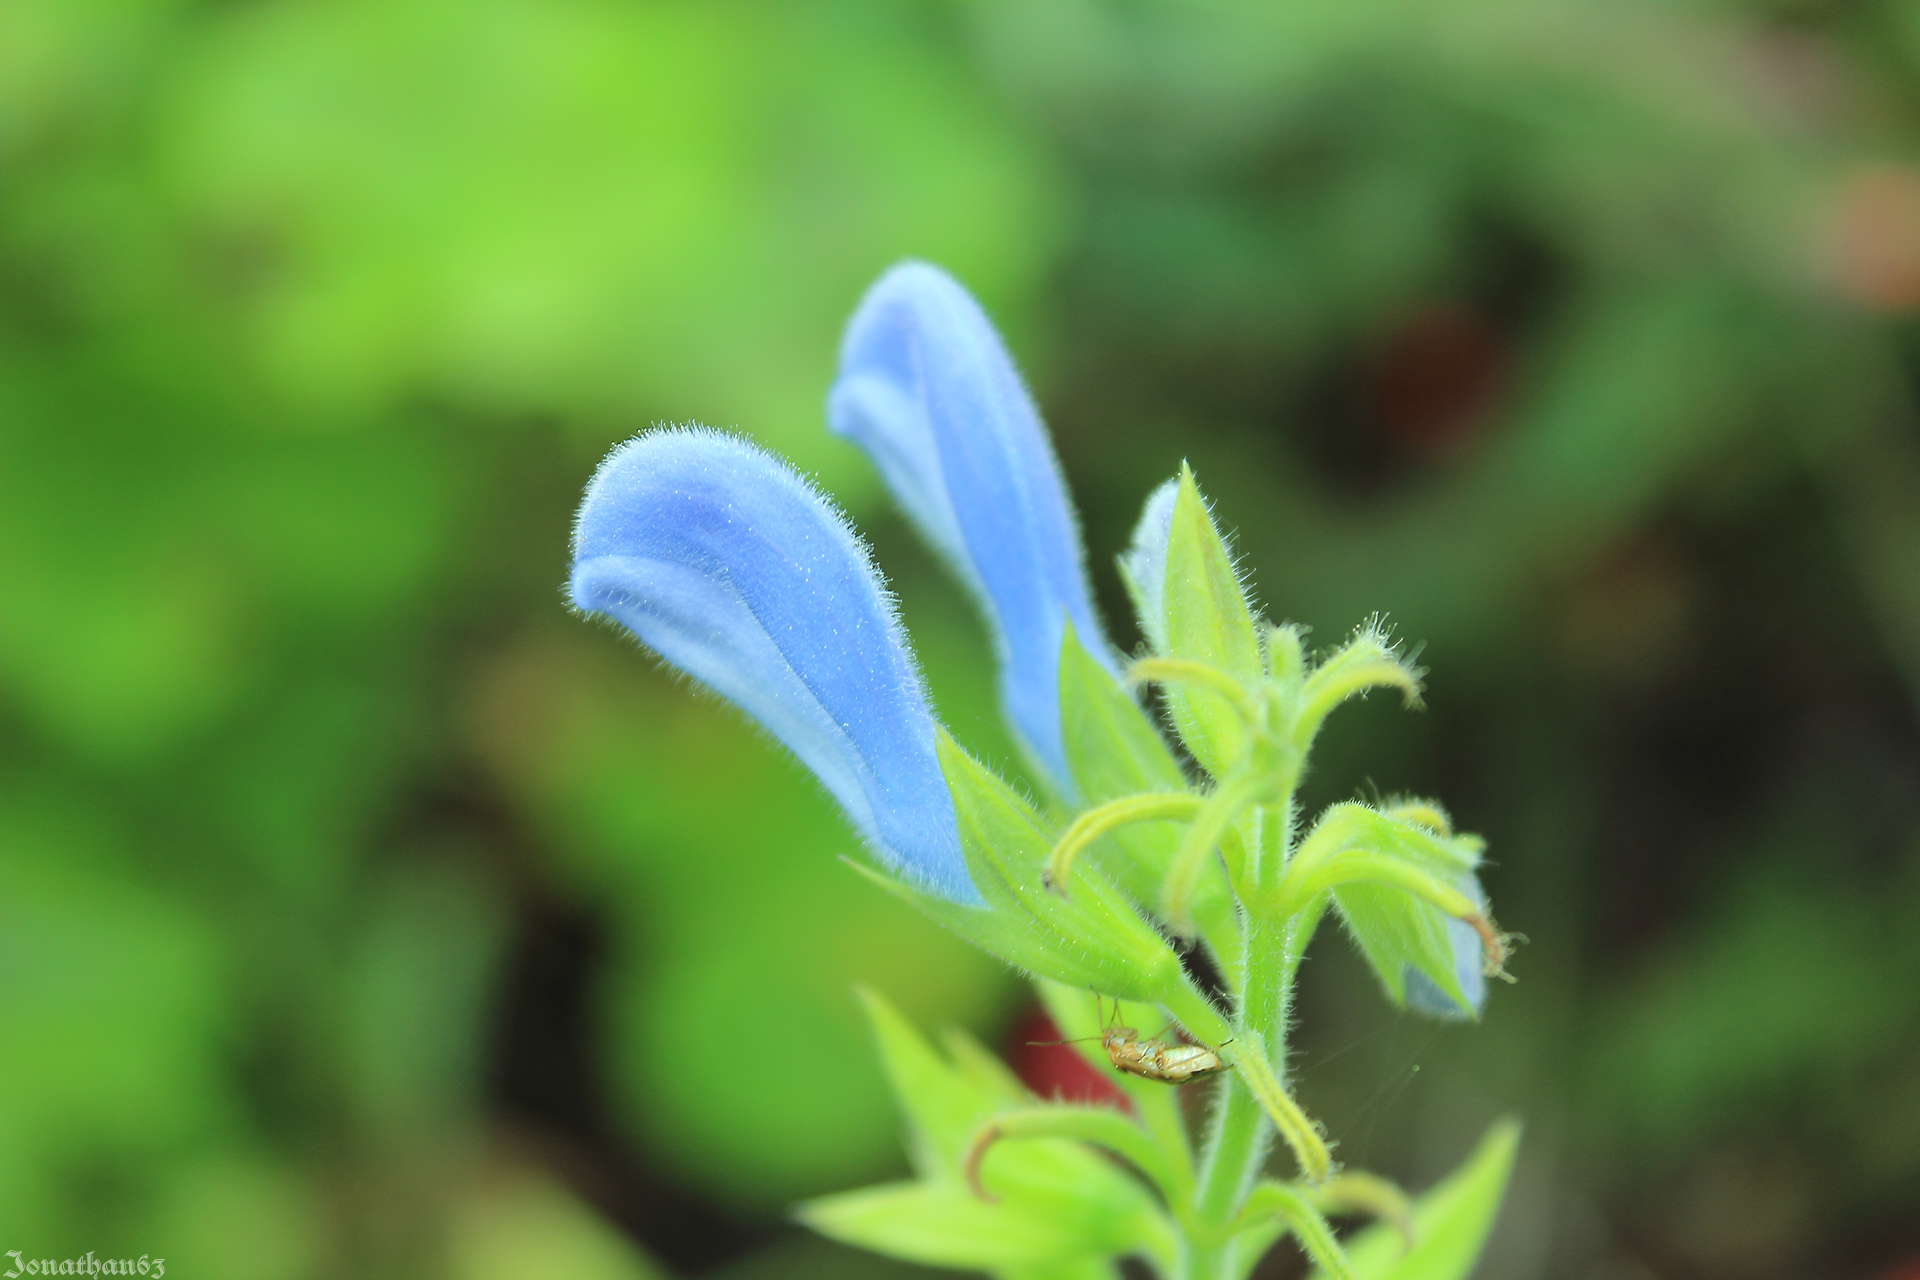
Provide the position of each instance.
(363, 913)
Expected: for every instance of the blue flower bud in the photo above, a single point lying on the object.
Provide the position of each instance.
(732, 568)
(928, 390)
(1469, 970)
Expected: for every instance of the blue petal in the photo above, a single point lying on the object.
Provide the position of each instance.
(928, 390)
(732, 568)
(1469, 961)
(1144, 566)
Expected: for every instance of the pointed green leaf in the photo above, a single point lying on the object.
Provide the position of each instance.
(1097, 1126)
(1087, 934)
(1060, 1201)
(983, 1068)
(945, 1226)
(1450, 1222)
(943, 1105)
(1207, 620)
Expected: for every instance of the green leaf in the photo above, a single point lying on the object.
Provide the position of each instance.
(945, 1226)
(1086, 934)
(1061, 1203)
(1096, 1125)
(1450, 1222)
(1207, 620)
(943, 1105)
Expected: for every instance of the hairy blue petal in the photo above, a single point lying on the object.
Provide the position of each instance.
(1144, 565)
(732, 568)
(928, 390)
(1469, 962)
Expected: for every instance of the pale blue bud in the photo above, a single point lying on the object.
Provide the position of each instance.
(1469, 963)
(727, 564)
(928, 390)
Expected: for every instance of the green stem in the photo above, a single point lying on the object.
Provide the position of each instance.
(1240, 1131)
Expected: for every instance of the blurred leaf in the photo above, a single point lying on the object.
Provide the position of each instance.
(1450, 1222)
(944, 1226)
(1058, 1200)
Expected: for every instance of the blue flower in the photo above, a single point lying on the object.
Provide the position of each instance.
(732, 568)
(928, 390)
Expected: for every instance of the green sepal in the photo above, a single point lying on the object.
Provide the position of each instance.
(1391, 926)
(1008, 936)
(1061, 1204)
(1370, 659)
(1115, 750)
(1207, 619)
(1394, 929)
(1403, 829)
(1084, 933)
(1088, 935)
(1450, 1222)
(1112, 745)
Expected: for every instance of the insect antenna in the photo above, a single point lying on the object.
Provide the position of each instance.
(1086, 1039)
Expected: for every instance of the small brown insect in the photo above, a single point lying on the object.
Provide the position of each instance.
(1155, 1059)
(1158, 1060)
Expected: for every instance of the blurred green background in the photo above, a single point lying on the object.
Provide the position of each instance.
(364, 914)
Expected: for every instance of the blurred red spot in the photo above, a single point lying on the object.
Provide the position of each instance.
(1438, 373)
(1876, 238)
(1909, 1270)
(1057, 1070)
